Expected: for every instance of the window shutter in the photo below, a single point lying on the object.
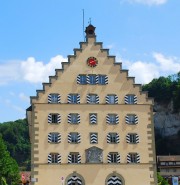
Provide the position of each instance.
(117, 119)
(79, 158)
(59, 98)
(116, 99)
(78, 138)
(109, 158)
(69, 98)
(88, 79)
(69, 158)
(49, 158)
(49, 118)
(137, 138)
(118, 158)
(108, 119)
(107, 99)
(93, 118)
(106, 79)
(136, 119)
(78, 99)
(97, 99)
(49, 98)
(69, 138)
(78, 79)
(97, 79)
(126, 99)
(59, 158)
(88, 98)
(59, 138)
(117, 138)
(78, 118)
(93, 138)
(138, 158)
(49, 138)
(69, 118)
(135, 99)
(128, 138)
(108, 138)
(59, 118)
(128, 158)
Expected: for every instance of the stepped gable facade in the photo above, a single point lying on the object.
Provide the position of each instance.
(91, 124)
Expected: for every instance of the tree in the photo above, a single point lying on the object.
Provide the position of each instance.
(161, 180)
(9, 171)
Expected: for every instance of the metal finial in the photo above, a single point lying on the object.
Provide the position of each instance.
(89, 22)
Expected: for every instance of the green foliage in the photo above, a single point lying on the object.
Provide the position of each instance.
(16, 137)
(9, 171)
(161, 180)
(165, 89)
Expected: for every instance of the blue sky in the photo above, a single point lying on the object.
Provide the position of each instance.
(36, 36)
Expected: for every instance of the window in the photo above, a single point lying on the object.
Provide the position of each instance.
(133, 158)
(93, 138)
(111, 99)
(132, 138)
(92, 98)
(93, 118)
(81, 79)
(54, 137)
(54, 118)
(74, 137)
(112, 119)
(112, 138)
(103, 79)
(74, 118)
(54, 158)
(131, 119)
(113, 157)
(74, 157)
(74, 98)
(91, 79)
(130, 99)
(54, 98)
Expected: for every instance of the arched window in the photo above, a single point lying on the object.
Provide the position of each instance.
(75, 179)
(114, 179)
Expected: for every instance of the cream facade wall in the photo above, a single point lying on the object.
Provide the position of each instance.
(64, 83)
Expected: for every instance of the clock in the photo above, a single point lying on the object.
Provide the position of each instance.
(92, 62)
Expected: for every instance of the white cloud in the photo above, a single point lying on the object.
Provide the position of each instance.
(148, 2)
(144, 72)
(24, 98)
(29, 70)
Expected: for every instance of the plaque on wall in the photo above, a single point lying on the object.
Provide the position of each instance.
(94, 155)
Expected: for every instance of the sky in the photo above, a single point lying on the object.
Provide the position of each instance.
(36, 36)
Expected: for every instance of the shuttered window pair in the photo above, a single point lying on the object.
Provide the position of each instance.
(132, 138)
(74, 137)
(92, 79)
(54, 98)
(113, 138)
(54, 118)
(130, 99)
(73, 98)
(54, 158)
(111, 99)
(54, 137)
(133, 158)
(92, 99)
(74, 118)
(113, 157)
(131, 119)
(112, 119)
(74, 158)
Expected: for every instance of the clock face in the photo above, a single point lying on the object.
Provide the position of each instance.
(92, 62)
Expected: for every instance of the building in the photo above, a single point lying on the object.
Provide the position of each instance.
(91, 124)
(169, 166)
